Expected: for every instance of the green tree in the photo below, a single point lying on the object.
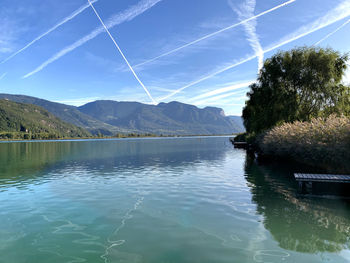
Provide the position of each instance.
(299, 84)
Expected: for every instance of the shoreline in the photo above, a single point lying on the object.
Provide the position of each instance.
(114, 138)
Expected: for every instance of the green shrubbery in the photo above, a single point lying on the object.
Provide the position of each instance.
(33, 136)
(297, 85)
(323, 143)
(299, 109)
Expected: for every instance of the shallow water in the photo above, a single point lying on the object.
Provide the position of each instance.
(159, 200)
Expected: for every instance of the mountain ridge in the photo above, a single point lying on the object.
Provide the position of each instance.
(34, 122)
(66, 113)
(173, 118)
(110, 117)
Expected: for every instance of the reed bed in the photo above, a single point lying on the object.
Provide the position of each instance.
(322, 143)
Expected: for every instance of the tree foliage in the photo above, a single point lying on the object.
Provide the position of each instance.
(25, 121)
(297, 85)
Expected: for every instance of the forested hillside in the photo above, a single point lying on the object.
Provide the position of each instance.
(66, 113)
(26, 121)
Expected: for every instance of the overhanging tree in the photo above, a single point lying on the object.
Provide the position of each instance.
(299, 84)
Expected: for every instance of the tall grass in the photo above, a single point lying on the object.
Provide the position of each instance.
(322, 143)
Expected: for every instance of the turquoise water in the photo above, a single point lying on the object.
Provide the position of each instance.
(159, 200)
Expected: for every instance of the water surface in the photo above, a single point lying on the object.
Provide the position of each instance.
(159, 201)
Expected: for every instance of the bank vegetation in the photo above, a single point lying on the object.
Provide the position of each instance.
(299, 109)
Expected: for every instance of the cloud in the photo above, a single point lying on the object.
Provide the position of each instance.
(246, 11)
(160, 89)
(122, 96)
(78, 102)
(332, 33)
(215, 33)
(62, 22)
(9, 32)
(108, 65)
(338, 13)
(3, 75)
(127, 15)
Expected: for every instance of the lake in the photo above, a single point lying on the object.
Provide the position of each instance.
(168, 200)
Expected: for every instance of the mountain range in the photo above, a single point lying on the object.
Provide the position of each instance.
(110, 117)
(34, 122)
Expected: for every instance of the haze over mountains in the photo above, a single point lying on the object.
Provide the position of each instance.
(111, 117)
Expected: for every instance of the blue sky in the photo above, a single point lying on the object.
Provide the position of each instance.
(182, 50)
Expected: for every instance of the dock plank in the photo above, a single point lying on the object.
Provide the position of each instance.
(334, 178)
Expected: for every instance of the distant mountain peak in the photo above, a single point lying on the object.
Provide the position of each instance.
(165, 118)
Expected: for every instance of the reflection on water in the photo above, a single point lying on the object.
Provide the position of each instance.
(18, 160)
(25, 160)
(159, 200)
(308, 225)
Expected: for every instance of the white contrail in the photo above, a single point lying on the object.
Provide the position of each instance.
(127, 15)
(216, 98)
(65, 20)
(3, 75)
(215, 33)
(209, 76)
(336, 14)
(340, 12)
(332, 33)
(121, 53)
(247, 10)
(223, 90)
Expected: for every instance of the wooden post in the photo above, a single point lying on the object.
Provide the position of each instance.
(309, 187)
(301, 186)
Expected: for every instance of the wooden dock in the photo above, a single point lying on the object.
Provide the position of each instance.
(242, 145)
(326, 178)
(306, 180)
